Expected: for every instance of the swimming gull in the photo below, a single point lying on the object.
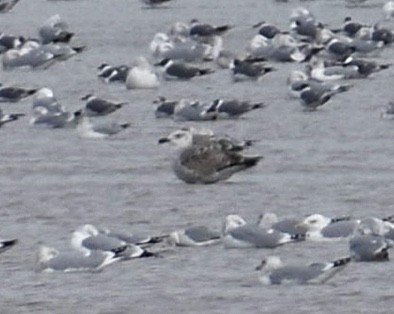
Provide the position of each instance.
(6, 118)
(96, 106)
(320, 228)
(273, 271)
(239, 234)
(97, 129)
(142, 75)
(194, 236)
(50, 260)
(179, 70)
(88, 238)
(206, 162)
(110, 73)
(14, 93)
(7, 244)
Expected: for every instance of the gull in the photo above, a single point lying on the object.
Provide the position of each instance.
(179, 70)
(239, 234)
(142, 76)
(49, 260)
(55, 30)
(206, 162)
(369, 248)
(96, 106)
(194, 236)
(246, 70)
(319, 227)
(273, 271)
(88, 238)
(110, 73)
(101, 129)
(14, 93)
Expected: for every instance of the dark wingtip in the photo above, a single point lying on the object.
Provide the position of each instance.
(163, 140)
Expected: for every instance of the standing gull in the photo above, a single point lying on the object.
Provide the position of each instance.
(206, 162)
(273, 271)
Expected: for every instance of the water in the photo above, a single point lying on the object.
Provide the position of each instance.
(336, 161)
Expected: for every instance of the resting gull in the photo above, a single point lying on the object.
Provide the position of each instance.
(319, 227)
(194, 236)
(182, 71)
(14, 93)
(164, 107)
(285, 225)
(242, 70)
(369, 248)
(50, 260)
(206, 162)
(88, 238)
(55, 30)
(110, 73)
(96, 106)
(239, 234)
(273, 271)
(142, 75)
(97, 129)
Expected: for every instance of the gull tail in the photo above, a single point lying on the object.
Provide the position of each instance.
(205, 71)
(341, 262)
(7, 244)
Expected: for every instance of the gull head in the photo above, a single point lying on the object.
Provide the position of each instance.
(180, 138)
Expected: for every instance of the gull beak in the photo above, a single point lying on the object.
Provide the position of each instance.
(163, 140)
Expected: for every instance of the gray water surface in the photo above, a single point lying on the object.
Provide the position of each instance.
(336, 161)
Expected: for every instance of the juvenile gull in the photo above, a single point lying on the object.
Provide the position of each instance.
(194, 236)
(96, 106)
(7, 244)
(97, 129)
(206, 162)
(239, 234)
(319, 227)
(88, 238)
(182, 71)
(273, 271)
(50, 260)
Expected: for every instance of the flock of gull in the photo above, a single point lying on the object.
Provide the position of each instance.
(330, 58)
